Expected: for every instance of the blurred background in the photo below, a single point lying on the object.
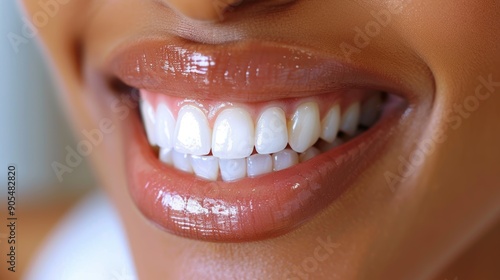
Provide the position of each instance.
(33, 134)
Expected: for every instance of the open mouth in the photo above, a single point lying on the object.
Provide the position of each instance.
(216, 140)
(248, 141)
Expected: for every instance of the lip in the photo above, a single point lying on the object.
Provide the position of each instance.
(252, 208)
(247, 71)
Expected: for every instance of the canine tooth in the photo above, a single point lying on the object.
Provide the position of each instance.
(192, 132)
(350, 119)
(165, 156)
(309, 154)
(233, 135)
(259, 164)
(284, 159)
(324, 146)
(165, 126)
(370, 110)
(304, 127)
(233, 169)
(148, 116)
(330, 124)
(182, 161)
(206, 167)
(271, 133)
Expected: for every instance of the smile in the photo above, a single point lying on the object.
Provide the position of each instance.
(248, 141)
(241, 140)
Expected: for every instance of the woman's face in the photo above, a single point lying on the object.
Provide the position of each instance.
(234, 91)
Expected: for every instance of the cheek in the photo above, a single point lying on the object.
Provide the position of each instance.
(459, 42)
(99, 117)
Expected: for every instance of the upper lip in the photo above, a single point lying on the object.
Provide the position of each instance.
(247, 71)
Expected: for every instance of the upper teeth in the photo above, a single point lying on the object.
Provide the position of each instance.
(192, 132)
(271, 134)
(304, 127)
(233, 135)
(187, 141)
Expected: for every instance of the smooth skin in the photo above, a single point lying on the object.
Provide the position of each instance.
(441, 221)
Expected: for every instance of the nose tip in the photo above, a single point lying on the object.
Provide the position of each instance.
(203, 10)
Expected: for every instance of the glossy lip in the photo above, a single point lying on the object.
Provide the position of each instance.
(252, 208)
(248, 71)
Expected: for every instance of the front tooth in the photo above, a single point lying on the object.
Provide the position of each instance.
(206, 167)
(370, 110)
(192, 132)
(148, 117)
(182, 161)
(233, 135)
(165, 126)
(309, 154)
(304, 127)
(259, 165)
(330, 124)
(350, 119)
(284, 159)
(165, 156)
(233, 169)
(271, 134)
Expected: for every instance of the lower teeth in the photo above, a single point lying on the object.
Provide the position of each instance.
(212, 168)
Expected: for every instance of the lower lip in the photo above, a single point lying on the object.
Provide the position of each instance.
(252, 208)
